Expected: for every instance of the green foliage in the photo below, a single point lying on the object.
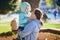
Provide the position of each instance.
(7, 6)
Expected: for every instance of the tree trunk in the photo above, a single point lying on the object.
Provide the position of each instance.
(34, 3)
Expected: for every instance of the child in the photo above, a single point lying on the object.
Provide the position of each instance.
(23, 16)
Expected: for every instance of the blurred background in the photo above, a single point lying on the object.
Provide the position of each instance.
(51, 18)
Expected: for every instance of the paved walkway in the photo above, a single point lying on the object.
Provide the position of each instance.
(53, 21)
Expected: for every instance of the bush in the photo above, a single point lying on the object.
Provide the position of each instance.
(7, 6)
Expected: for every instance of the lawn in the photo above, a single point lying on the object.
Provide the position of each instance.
(5, 27)
(48, 25)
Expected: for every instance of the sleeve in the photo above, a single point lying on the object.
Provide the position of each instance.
(29, 28)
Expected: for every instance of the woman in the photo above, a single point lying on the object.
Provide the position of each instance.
(32, 29)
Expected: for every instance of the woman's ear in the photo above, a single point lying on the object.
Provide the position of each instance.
(42, 23)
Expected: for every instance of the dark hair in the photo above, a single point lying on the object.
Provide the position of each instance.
(38, 14)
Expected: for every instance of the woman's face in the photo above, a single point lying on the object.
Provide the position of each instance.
(32, 16)
(28, 9)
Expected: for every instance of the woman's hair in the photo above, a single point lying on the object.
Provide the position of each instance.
(38, 13)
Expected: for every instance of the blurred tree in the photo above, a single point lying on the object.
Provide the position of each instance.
(58, 2)
(8, 5)
(34, 3)
(49, 3)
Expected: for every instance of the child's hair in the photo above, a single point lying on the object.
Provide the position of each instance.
(38, 13)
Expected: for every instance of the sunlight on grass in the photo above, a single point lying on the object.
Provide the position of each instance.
(48, 25)
(5, 27)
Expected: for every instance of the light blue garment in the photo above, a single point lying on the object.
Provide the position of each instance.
(24, 5)
(31, 30)
(23, 19)
(23, 15)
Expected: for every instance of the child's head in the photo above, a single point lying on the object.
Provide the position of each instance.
(25, 7)
(38, 13)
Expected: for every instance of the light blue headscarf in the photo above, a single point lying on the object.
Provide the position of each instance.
(24, 5)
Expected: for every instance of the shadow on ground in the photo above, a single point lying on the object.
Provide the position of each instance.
(43, 35)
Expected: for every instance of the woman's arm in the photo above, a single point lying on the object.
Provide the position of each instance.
(29, 28)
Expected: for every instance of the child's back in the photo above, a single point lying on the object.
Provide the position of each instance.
(23, 19)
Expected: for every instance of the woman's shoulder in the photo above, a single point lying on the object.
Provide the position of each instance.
(33, 21)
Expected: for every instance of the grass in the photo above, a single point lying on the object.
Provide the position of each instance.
(6, 28)
(48, 25)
